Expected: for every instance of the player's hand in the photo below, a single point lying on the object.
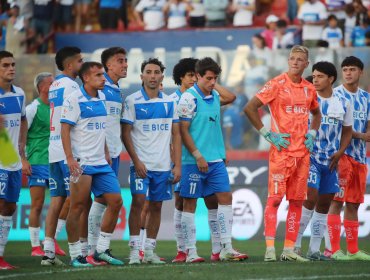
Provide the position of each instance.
(176, 172)
(26, 167)
(278, 139)
(310, 139)
(366, 136)
(108, 159)
(202, 165)
(140, 169)
(74, 167)
(334, 159)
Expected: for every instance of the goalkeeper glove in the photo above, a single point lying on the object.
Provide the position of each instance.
(276, 139)
(310, 139)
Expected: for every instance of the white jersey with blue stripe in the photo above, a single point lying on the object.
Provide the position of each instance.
(175, 96)
(59, 90)
(330, 132)
(113, 101)
(360, 102)
(88, 116)
(13, 110)
(151, 121)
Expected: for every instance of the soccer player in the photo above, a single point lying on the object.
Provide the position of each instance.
(83, 124)
(204, 170)
(352, 168)
(290, 99)
(115, 65)
(13, 111)
(69, 61)
(333, 137)
(149, 124)
(37, 114)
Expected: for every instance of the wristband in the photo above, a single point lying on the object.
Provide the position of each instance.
(263, 131)
(313, 133)
(196, 154)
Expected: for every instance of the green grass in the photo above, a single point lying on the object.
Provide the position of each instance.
(18, 253)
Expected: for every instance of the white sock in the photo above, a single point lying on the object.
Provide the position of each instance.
(225, 221)
(103, 242)
(318, 226)
(34, 236)
(142, 238)
(150, 244)
(188, 230)
(94, 225)
(177, 214)
(49, 247)
(5, 225)
(215, 230)
(134, 242)
(84, 246)
(327, 238)
(305, 219)
(61, 224)
(74, 249)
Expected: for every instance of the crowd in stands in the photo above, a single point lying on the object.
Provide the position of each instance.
(28, 25)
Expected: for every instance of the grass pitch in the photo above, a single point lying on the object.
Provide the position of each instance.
(18, 253)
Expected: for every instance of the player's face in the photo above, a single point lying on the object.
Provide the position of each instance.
(207, 82)
(95, 78)
(117, 64)
(45, 85)
(297, 62)
(76, 63)
(188, 80)
(152, 76)
(351, 74)
(321, 81)
(7, 69)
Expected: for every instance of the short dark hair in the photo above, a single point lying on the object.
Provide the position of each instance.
(4, 54)
(65, 53)
(184, 66)
(261, 38)
(352, 61)
(327, 68)
(86, 66)
(281, 23)
(332, 17)
(152, 60)
(207, 64)
(108, 53)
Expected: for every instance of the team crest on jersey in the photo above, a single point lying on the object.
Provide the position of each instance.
(266, 87)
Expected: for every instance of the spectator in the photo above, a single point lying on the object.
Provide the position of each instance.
(63, 16)
(149, 14)
(42, 23)
(349, 23)
(82, 15)
(259, 49)
(292, 10)
(109, 13)
(312, 15)
(215, 12)
(15, 41)
(360, 11)
(338, 8)
(176, 12)
(358, 38)
(197, 16)
(256, 76)
(269, 32)
(282, 38)
(332, 33)
(243, 12)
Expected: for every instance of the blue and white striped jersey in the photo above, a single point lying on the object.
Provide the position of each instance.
(329, 134)
(13, 110)
(151, 121)
(88, 116)
(360, 102)
(176, 96)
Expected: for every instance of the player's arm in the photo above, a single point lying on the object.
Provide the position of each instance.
(176, 152)
(1, 122)
(140, 168)
(316, 119)
(344, 142)
(226, 96)
(26, 167)
(107, 155)
(73, 165)
(251, 111)
(363, 136)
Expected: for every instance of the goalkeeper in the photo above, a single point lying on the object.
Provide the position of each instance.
(290, 99)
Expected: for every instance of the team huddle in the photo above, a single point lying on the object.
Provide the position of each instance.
(70, 138)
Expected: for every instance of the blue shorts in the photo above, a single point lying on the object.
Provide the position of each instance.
(321, 178)
(156, 186)
(10, 185)
(176, 187)
(115, 165)
(58, 179)
(40, 176)
(196, 184)
(104, 180)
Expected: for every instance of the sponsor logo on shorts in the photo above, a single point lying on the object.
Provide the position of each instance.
(41, 181)
(194, 176)
(277, 177)
(3, 176)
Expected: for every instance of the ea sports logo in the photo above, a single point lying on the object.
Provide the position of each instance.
(248, 214)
